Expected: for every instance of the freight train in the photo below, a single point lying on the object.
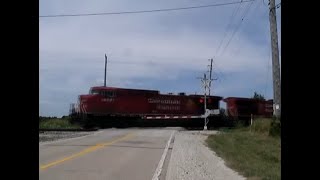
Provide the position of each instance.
(121, 107)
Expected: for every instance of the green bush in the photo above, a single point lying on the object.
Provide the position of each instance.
(275, 128)
(57, 123)
(240, 124)
(261, 125)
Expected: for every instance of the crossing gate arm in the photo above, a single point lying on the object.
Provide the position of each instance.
(209, 112)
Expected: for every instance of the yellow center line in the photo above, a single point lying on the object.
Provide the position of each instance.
(85, 151)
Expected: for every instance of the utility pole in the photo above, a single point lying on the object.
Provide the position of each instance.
(105, 69)
(275, 60)
(210, 76)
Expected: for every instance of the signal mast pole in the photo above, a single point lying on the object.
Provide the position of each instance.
(205, 85)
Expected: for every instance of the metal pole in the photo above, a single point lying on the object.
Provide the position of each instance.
(204, 80)
(105, 70)
(205, 93)
(275, 60)
(205, 101)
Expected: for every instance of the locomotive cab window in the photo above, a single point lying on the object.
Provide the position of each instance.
(108, 94)
(94, 92)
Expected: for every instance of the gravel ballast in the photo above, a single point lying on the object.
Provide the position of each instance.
(192, 159)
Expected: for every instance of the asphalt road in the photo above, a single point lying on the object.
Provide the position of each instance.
(109, 154)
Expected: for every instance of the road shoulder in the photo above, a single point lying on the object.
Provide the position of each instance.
(192, 159)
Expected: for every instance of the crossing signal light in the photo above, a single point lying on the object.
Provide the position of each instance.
(201, 100)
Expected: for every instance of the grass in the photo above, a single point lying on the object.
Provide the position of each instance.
(57, 123)
(250, 151)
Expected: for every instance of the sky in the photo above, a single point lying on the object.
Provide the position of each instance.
(165, 51)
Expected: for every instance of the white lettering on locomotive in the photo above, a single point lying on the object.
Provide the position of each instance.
(166, 107)
(163, 101)
(107, 99)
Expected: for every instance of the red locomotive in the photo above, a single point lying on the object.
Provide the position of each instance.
(119, 105)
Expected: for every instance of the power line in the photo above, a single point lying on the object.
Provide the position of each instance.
(228, 25)
(236, 29)
(143, 11)
(231, 19)
(236, 51)
(217, 70)
(236, 10)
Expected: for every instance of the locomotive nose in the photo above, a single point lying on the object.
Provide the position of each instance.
(85, 98)
(85, 101)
